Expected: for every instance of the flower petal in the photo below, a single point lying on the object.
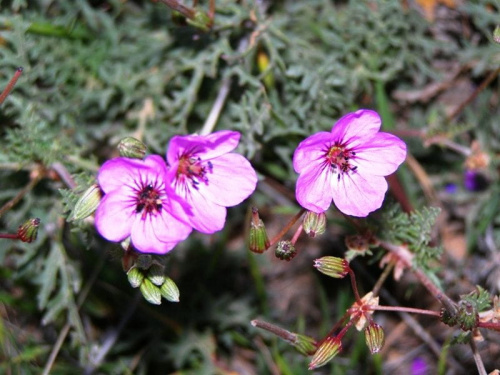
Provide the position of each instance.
(115, 215)
(314, 188)
(232, 180)
(311, 149)
(116, 173)
(358, 195)
(381, 156)
(356, 128)
(206, 147)
(144, 238)
(207, 217)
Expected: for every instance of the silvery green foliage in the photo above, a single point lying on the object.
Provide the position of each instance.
(97, 71)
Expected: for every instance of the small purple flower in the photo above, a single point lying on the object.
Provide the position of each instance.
(347, 165)
(419, 366)
(138, 203)
(475, 181)
(209, 177)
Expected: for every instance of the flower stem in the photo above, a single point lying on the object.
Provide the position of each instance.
(297, 234)
(382, 278)
(9, 236)
(354, 286)
(477, 357)
(287, 227)
(488, 325)
(278, 331)
(11, 84)
(405, 256)
(410, 310)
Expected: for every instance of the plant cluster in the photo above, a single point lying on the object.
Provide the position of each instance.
(172, 136)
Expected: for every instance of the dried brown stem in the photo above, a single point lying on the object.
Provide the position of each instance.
(278, 331)
(477, 357)
(36, 177)
(481, 87)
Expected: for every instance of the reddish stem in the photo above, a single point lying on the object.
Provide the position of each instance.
(410, 310)
(297, 234)
(9, 236)
(287, 227)
(488, 325)
(11, 84)
(354, 286)
(406, 257)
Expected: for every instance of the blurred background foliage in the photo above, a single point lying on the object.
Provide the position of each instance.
(97, 71)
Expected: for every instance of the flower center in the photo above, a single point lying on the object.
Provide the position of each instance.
(338, 158)
(193, 169)
(148, 201)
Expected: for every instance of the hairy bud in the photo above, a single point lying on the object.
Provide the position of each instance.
(285, 250)
(332, 266)
(28, 231)
(314, 224)
(326, 351)
(131, 147)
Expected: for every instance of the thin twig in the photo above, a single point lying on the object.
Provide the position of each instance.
(382, 278)
(404, 255)
(481, 87)
(61, 170)
(275, 330)
(477, 357)
(215, 112)
(37, 175)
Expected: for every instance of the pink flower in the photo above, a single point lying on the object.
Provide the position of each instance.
(138, 203)
(347, 165)
(209, 177)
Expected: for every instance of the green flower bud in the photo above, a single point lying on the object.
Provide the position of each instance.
(285, 250)
(305, 345)
(28, 231)
(332, 266)
(447, 318)
(130, 147)
(496, 34)
(150, 292)
(156, 275)
(87, 204)
(326, 351)
(259, 241)
(135, 277)
(374, 335)
(314, 224)
(169, 290)
(467, 316)
(200, 20)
